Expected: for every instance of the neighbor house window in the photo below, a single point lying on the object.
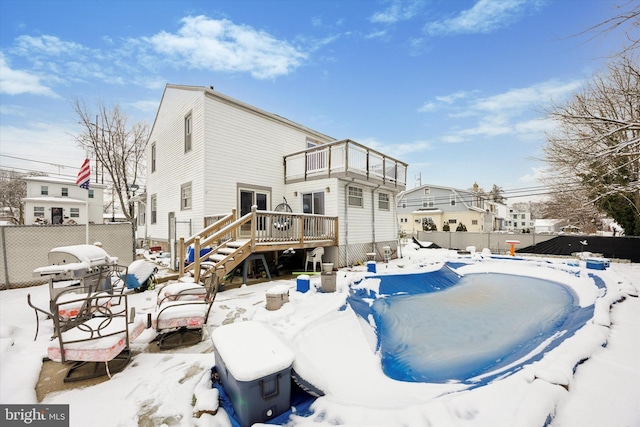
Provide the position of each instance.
(38, 211)
(188, 128)
(427, 202)
(474, 222)
(383, 201)
(74, 212)
(185, 196)
(453, 221)
(154, 207)
(452, 200)
(44, 190)
(153, 157)
(90, 193)
(65, 191)
(355, 197)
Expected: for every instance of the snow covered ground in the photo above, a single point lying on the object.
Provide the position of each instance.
(335, 350)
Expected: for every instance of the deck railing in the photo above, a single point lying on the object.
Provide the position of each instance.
(263, 230)
(345, 158)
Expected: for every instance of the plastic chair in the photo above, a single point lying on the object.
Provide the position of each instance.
(315, 257)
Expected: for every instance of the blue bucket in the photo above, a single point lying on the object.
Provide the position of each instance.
(371, 266)
(303, 283)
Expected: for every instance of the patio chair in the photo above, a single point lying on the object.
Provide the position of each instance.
(315, 257)
(182, 311)
(95, 339)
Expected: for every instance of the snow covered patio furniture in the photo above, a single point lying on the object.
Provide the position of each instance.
(315, 257)
(182, 311)
(95, 340)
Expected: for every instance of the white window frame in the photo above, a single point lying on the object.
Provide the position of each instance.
(355, 196)
(38, 211)
(64, 191)
(153, 206)
(188, 131)
(74, 212)
(428, 202)
(384, 201)
(186, 196)
(44, 190)
(153, 157)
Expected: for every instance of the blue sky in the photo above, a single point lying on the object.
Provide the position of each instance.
(456, 89)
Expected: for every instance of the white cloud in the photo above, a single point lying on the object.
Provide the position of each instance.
(397, 150)
(399, 10)
(16, 82)
(484, 17)
(221, 45)
(518, 111)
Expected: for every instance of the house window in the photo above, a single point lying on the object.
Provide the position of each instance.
(154, 207)
(44, 190)
(313, 203)
(474, 222)
(188, 122)
(153, 157)
(185, 196)
(427, 191)
(74, 212)
(38, 211)
(453, 221)
(65, 191)
(403, 203)
(383, 201)
(90, 193)
(427, 202)
(452, 200)
(355, 197)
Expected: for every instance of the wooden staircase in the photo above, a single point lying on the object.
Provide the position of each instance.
(231, 240)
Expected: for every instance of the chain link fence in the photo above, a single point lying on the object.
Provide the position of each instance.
(23, 248)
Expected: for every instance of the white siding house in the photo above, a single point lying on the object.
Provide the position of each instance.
(60, 201)
(209, 154)
(445, 205)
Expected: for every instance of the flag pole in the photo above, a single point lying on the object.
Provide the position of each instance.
(83, 180)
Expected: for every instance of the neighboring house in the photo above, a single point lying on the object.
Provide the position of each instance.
(210, 154)
(445, 205)
(547, 226)
(519, 221)
(53, 200)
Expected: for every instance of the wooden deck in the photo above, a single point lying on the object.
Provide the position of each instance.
(230, 240)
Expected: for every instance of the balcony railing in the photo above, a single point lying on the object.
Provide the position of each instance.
(345, 159)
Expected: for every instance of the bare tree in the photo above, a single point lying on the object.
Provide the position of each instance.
(118, 147)
(594, 151)
(627, 20)
(12, 189)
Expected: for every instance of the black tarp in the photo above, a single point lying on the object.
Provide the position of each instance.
(609, 247)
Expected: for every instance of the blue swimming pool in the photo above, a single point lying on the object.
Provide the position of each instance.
(440, 326)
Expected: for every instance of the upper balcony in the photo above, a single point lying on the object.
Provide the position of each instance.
(345, 159)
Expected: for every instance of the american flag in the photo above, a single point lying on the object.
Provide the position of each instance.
(84, 175)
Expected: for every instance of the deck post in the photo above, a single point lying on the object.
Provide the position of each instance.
(254, 225)
(196, 259)
(181, 258)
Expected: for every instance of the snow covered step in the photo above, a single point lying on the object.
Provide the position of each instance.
(236, 243)
(227, 251)
(218, 257)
